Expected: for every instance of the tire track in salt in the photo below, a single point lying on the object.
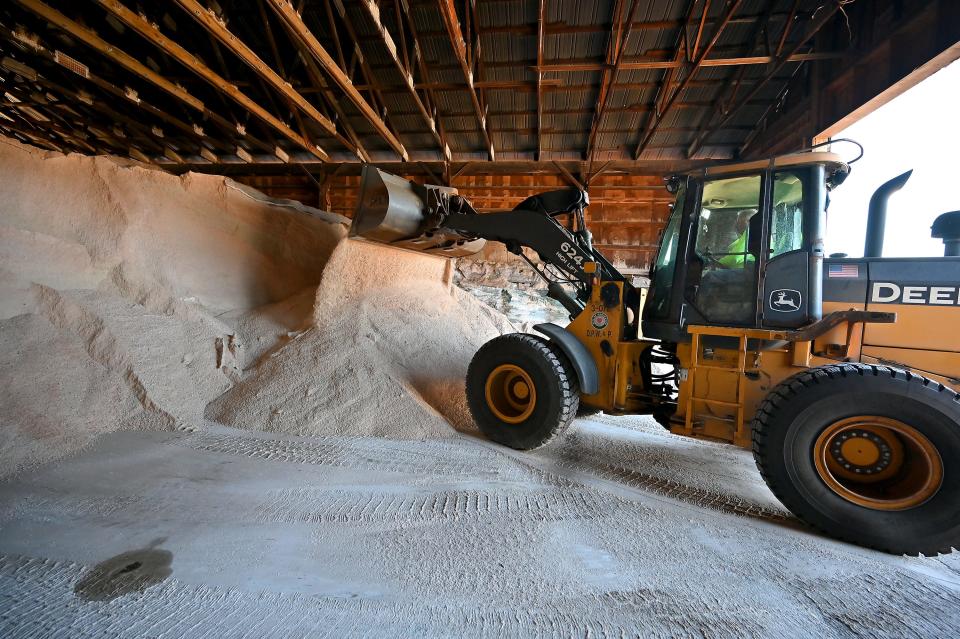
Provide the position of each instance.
(37, 600)
(324, 506)
(444, 458)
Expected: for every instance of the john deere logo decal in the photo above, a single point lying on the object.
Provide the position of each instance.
(599, 320)
(785, 300)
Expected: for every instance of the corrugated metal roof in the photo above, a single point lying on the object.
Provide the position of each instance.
(578, 35)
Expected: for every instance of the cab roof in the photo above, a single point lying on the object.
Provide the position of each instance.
(832, 160)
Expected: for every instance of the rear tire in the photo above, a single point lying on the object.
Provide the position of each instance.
(867, 454)
(522, 391)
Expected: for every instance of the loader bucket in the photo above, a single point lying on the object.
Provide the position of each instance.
(389, 208)
(395, 211)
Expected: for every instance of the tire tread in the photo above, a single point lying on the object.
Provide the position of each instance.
(558, 366)
(797, 384)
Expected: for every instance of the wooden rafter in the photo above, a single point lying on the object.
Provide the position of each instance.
(422, 68)
(358, 56)
(128, 62)
(323, 88)
(695, 49)
(448, 14)
(193, 132)
(653, 123)
(685, 53)
(565, 28)
(636, 65)
(788, 25)
(151, 33)
(132, 65)
(549, 86)
(825, 15)
(212, 24)
(372, 11)
(734, 82)
(103, 109)
(541, 19)
(629, 108)
(18, 118)
(302, 34)
(568, 176)
(615, 49)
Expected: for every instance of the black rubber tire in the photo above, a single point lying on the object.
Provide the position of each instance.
(558, 391)
(798, 409)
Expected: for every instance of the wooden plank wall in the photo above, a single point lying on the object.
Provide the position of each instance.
(626, 212)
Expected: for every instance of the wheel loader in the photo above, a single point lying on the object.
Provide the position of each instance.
(841, 374)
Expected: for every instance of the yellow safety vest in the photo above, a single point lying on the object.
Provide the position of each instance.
(738, 253)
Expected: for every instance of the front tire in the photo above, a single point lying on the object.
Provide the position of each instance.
(867, 454)
(522, 391)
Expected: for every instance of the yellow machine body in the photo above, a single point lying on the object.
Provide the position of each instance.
(721, 388)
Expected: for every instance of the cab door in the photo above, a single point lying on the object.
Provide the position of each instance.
(723, 268)
(787, 271)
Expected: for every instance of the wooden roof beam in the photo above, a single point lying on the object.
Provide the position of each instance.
(324, 89)
(723, 101)
(615, 49)
(822, 19)
(132, 65)
(541, 19)
(565, 28)
(568, 176)
(213, 25)
(637, 65)
(193, 132)
(448, 13)
(786, 28)
(304, 36)
(372, 12)
(422, 68)
(685, 52)
(357, 57)
(350, 140)
(89, 111)
(654, 123)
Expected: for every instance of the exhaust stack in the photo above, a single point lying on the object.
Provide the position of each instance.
(947, 228)
(877, 216)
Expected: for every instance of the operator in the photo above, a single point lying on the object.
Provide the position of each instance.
(737, 255)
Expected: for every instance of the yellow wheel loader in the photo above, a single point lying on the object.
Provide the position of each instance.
(840, 374)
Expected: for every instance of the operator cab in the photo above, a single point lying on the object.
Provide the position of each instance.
(743, 246)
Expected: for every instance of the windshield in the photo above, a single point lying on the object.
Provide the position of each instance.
(666, 263)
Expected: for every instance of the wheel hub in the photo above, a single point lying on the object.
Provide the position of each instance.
(510, 393)
(861, 452)
(878, 462)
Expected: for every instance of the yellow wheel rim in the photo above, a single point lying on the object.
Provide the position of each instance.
(510, 393)
(878, 462)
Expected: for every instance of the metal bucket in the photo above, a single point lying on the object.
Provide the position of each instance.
(394, 211)
(389, 208)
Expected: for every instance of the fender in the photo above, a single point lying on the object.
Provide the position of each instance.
(577, 353)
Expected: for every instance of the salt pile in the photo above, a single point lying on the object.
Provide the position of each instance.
(386, 355)
(131, 298)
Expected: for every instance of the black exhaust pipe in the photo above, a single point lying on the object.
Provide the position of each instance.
(877, 215)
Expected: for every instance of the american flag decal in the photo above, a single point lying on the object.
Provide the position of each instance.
(843, 270)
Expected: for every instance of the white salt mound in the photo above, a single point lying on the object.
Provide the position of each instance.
(132, 298)
(113, 281)
(387, 354)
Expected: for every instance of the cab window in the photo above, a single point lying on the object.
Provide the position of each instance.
(724, 246)
(786, 223)
(666, 262)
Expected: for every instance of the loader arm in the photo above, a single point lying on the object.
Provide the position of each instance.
(437, 220)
